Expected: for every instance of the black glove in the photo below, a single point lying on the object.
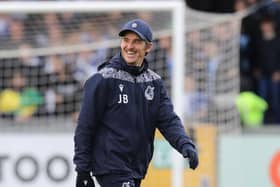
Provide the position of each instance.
(84, 179)
(190, 152)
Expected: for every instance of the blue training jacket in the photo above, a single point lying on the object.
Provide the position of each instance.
(122, 106)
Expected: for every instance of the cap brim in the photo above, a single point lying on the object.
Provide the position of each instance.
(122, 33)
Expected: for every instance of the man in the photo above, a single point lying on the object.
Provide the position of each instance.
(122, 106)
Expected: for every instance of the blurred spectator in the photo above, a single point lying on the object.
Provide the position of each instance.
(240, 5)
(162, 55)
(69, 21)
(195, 102)
(213, 60)
(165, 46)
(4, 27)
(84, 66)
(244, 60)
(54, 30)
(251, 108)
(63, 92)
(16, 31)
(267, 66)
(30, 66)
(18, 101)
(85, 36)
(147, 16)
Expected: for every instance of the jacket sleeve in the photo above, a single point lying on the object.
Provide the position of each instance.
(170, 125)
(93, 105)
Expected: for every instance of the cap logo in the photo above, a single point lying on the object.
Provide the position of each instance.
(134, 25)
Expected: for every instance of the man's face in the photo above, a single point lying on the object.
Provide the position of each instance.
(133, 49)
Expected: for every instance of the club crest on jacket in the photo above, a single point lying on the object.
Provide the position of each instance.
(149, 93)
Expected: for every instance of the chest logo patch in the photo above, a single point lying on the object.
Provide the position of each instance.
(149, 93)
(121, 87)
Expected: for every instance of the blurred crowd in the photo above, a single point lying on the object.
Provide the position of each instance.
(50, 83)
(210, 93)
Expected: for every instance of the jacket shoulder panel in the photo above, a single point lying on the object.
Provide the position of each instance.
(147, 76)
(109, 72)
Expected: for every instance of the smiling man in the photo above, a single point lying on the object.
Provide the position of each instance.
(123, 104)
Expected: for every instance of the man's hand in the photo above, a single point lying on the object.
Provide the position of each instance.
(84, 179)
(190, 152)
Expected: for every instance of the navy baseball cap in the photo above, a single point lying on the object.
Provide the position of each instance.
(140, 27)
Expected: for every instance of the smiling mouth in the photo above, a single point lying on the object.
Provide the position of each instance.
(130, 54)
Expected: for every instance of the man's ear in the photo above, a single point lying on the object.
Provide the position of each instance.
(149, 47)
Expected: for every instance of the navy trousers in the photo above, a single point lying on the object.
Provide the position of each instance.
(117, 180)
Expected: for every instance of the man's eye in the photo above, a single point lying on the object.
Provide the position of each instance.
(125, 39)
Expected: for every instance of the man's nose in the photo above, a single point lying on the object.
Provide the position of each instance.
(130, 45)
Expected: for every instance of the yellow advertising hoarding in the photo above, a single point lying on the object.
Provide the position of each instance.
(159, 173)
